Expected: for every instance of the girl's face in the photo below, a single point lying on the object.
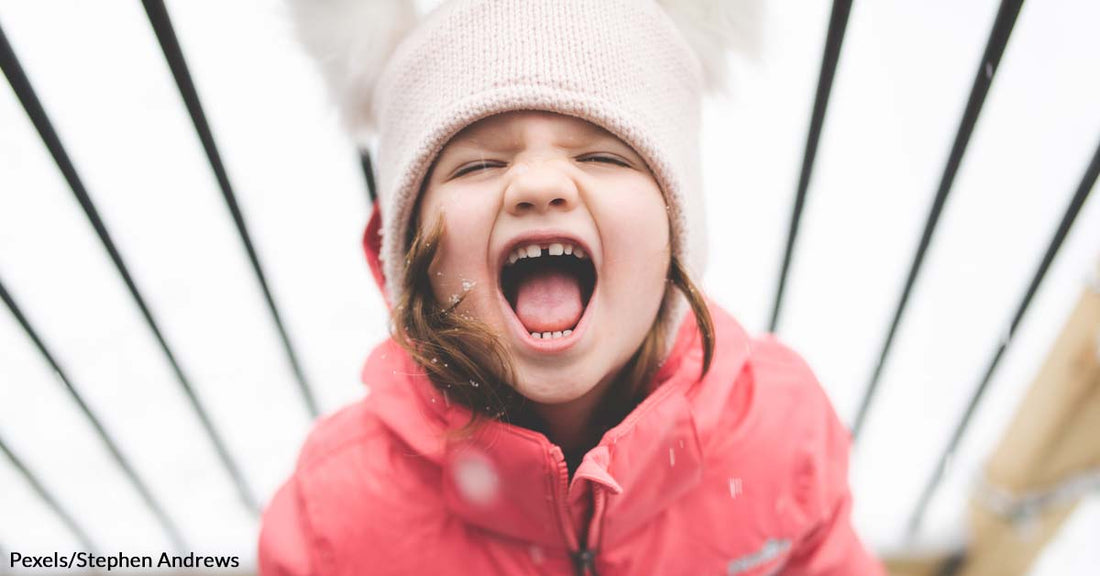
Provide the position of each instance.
(558, 234)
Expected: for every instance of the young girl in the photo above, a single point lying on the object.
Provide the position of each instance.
(557, 396)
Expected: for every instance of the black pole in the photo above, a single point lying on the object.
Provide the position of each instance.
(166, 523)
(953, 564)
(368, 174)
(834, 39)
(49, 499)
(991, 59)
(37, 114)
(169, 44)
(1088, 181)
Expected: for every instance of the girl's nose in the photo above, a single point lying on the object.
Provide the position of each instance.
(540, 187)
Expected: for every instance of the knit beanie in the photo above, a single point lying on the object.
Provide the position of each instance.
(637, 68)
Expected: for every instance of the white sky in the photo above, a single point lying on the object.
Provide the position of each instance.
(900, 88)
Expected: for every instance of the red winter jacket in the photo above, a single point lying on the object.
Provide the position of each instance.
(741, 473)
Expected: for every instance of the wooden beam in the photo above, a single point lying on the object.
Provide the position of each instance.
(1052, 439)
(915, 566)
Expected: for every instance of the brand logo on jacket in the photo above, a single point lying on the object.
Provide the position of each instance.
(771, 550)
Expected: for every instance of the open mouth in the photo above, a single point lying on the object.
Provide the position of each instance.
(548, 285)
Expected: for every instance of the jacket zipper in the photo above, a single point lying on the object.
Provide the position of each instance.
(584, 560)
(584, 557)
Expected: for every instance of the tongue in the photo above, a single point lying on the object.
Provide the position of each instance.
(549, 300)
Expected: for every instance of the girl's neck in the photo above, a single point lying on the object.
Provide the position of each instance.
(570, 426)
(577, 426)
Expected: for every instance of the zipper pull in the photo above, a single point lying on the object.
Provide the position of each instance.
(584, 562)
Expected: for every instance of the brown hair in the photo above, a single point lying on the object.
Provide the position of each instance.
(465, 360)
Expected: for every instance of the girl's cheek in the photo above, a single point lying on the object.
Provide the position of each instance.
(636, 218)
(460, 262)
(469, 223)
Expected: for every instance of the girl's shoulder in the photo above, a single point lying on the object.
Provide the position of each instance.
(356, 447)
(762, 401)
(784, 376)
(797, 419)
(760, 381)
(351, 467)
(790, 402)
(349, 427)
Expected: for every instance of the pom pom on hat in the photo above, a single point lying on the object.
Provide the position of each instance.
(352, 41)
(714, 28)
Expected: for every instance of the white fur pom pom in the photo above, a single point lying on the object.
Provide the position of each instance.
(715, 27)
(351, 40)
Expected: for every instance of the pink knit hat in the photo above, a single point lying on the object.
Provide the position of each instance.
(637, 68)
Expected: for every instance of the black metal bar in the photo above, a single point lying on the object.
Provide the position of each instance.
(37, 114)
(953, 564)
(834, 39)
(170, 528)
(169, 44)
(991, 59)
(49, 499)
(1088, 181)
(368, 173)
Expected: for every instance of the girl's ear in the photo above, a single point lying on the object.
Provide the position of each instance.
(351, 41)
(715, 27)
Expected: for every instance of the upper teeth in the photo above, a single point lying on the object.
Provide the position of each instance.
(552, 249)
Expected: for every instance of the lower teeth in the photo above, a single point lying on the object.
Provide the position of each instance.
(550, 335)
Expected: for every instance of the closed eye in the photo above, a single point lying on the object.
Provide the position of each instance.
(601, 158)
(473, 168)
(605, 159)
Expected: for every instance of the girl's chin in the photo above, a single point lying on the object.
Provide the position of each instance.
(541, 395)
(555, 384)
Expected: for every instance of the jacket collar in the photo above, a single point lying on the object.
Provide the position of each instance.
(513, 481)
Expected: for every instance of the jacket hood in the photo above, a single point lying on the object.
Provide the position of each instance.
(512, 481)
(372, 248)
